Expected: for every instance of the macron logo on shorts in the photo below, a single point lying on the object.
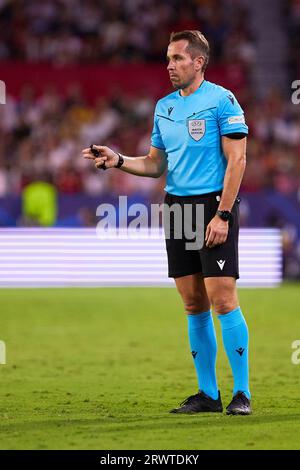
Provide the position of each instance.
(221, 264)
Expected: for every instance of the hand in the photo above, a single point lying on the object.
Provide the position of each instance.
(216, 232)
(107, 156)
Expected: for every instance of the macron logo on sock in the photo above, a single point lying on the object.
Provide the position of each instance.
(240, 351)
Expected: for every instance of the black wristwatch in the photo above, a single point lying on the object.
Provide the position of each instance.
(120, 162)
(226, 216)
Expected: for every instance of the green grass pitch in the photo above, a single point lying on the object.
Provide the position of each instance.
(100, 369)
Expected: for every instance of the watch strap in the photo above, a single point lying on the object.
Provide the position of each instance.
(120, 162)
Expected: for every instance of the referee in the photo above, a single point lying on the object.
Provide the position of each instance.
(199, 136)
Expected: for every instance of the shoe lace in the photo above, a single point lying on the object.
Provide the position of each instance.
(190, 399)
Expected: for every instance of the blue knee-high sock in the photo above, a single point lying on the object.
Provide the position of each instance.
(203, 343)
(236, 341)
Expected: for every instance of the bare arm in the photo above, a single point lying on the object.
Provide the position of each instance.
(152, 165)
(235, 153)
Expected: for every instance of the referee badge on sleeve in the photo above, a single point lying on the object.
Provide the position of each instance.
(196, 128)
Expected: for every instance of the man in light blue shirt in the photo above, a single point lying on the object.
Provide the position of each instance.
(199, 136)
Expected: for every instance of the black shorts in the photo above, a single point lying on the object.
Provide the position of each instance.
(222, 260)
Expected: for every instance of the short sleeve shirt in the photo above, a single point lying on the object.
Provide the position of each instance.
(189, 130)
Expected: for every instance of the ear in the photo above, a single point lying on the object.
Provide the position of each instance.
(199, 62)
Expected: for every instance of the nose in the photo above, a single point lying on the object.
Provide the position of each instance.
(170, 66)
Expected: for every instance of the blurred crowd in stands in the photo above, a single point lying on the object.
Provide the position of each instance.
(41, 136)
(89, 31)
(45, 134)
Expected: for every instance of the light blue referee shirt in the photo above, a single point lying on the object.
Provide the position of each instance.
(189, 129)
